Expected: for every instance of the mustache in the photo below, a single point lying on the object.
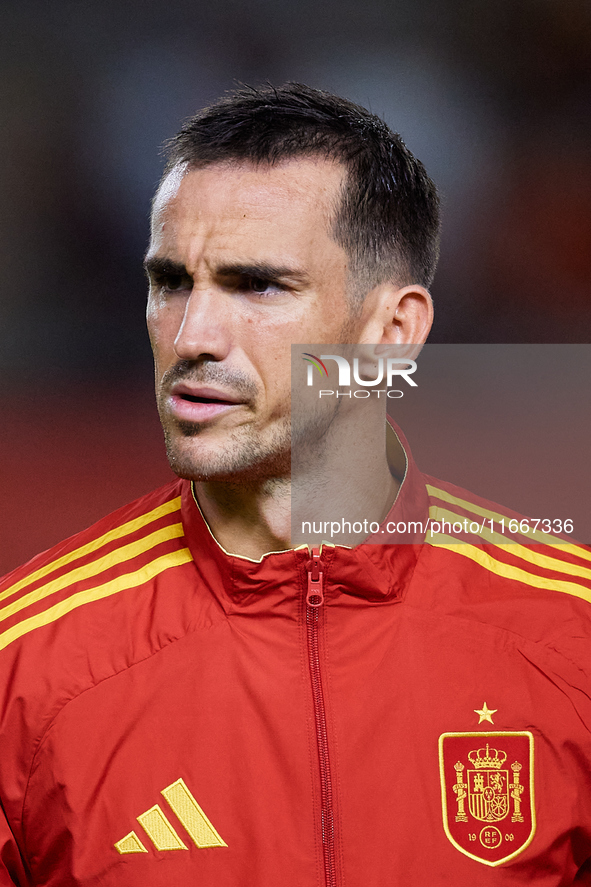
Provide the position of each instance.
(205, 372)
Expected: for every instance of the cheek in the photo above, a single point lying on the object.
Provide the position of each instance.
(153, 314)
(163, 327)
(279, 383)
(269, 354)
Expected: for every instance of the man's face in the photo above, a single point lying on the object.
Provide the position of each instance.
(241, 265)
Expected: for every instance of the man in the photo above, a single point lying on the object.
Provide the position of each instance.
(189, 700)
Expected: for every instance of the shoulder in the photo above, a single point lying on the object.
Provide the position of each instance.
(114, 530)
(498, 567)
(74, 613)
(535, 552)
(128, 538)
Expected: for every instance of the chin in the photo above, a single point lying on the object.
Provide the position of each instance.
(234, 462)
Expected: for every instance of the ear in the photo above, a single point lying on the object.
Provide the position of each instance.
(394, 316)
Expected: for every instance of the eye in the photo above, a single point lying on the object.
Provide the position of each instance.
(262, 286)
(258, 284)
(171, 282)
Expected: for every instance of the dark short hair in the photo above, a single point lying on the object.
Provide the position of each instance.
(388, 217)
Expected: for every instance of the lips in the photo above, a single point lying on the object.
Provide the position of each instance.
(197, 403)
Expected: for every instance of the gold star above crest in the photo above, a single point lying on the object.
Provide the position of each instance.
(485, 713)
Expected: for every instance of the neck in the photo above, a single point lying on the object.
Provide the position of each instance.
(248, 519)
(342, 479)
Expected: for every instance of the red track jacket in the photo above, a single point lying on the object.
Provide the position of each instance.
(383, 716)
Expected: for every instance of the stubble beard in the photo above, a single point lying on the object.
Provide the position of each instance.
(206, 451)
(241, 457)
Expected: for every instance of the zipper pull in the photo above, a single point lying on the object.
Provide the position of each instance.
(315, 596)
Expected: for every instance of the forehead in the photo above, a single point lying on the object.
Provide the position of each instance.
(239, 202)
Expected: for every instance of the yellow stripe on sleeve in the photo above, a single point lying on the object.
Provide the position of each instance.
(527, 554)
(542, 538)
(117, 533)
(117, 556)
(507, 571)
(121, 583)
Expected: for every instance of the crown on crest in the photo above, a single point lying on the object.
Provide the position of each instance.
(489, 758)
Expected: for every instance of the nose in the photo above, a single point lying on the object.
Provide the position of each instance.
(205, 330)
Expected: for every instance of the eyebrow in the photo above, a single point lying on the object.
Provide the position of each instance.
(158, 265)
(265, 270)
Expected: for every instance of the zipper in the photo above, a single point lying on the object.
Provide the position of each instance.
(314, 601)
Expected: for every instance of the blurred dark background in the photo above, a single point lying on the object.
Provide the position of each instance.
(495, 98)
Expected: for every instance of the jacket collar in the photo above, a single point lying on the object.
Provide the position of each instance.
(377, 570)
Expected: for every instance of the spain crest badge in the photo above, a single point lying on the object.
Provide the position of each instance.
(487, 789)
